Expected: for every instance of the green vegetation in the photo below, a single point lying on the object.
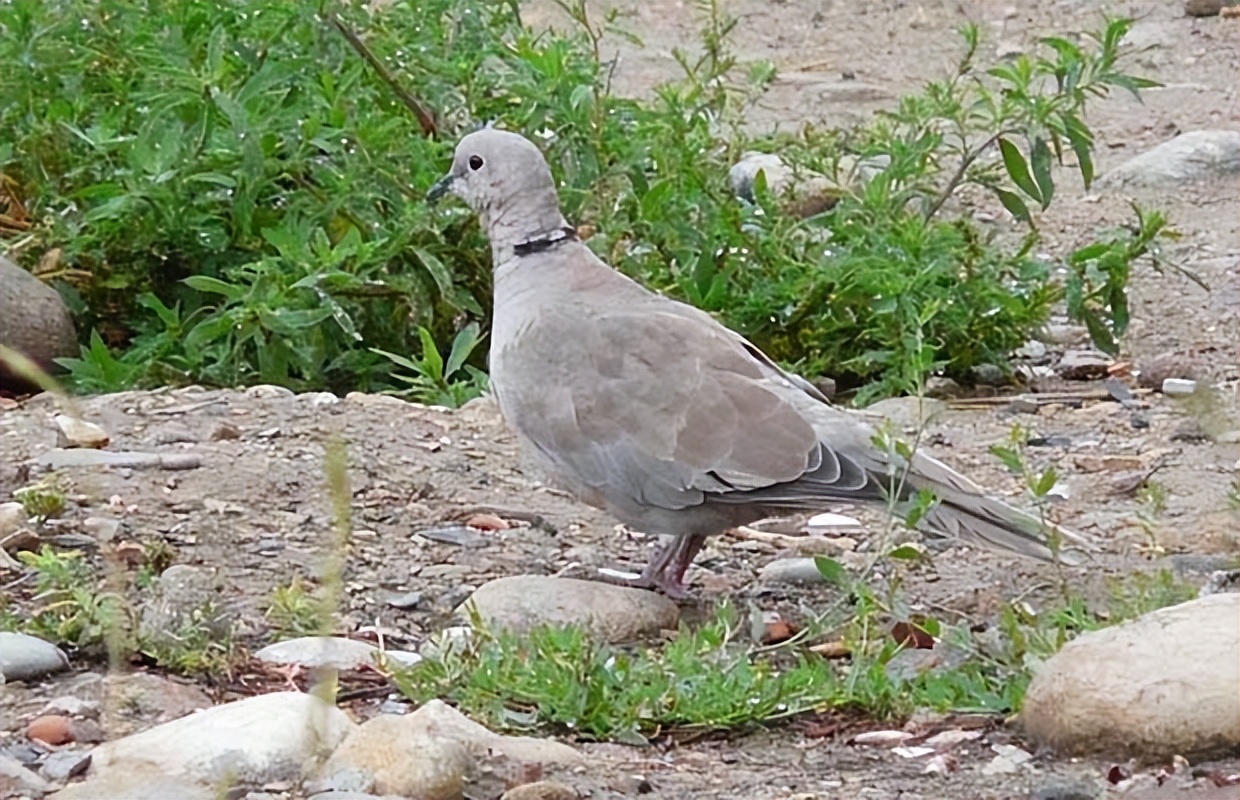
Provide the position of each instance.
(714, 676)
(228, 193)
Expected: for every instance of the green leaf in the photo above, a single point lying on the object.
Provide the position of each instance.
(436, 269)
(1083, 145)
(205, 283)
(1018, 169)
(1015, 206)
(908, 552)
(1009, 457)
(1099, 332)
(432, 361)
(1040, 157)
(832, 570)
(462, 345)
(1045, 482)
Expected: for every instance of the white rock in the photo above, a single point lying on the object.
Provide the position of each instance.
(614, 613)
(427, 754)
(1160, 685)
(1178, 386)
(76, 432)
(268, 391)
(331, 651)
(834, 524)
(272, 737)
(1189, 157)
(791, 570)
(140, 785)
(24, 657)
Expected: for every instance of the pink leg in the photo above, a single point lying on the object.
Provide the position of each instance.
(666, 570)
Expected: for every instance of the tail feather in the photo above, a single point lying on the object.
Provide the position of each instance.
(964, 512)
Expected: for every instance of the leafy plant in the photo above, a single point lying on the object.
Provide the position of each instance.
(231, 186)
(69, 605)
(294, 610)
(438, 381)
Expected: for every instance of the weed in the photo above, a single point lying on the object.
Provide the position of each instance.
(196, 647)
(295, 610)
(438, 381)
(69, 605)
(44, 500)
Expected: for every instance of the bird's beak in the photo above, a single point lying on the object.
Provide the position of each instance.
(440, 188)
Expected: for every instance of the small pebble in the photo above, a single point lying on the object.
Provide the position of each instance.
(51, 728)
(1178, 387)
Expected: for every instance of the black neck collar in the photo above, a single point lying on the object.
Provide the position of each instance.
(545, 241)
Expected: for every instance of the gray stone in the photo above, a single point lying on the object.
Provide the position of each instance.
(613, 613)
(1189, 157)
(35, 322)
(183, 596)
(331, 651)
(1083, 365)
(282, 736)
(65, 458)
(1161, 685)
(1060, 789)
(62, 765)
(1207, 8)
(15, 776)
(24, 657)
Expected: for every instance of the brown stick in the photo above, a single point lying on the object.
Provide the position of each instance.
(425, 119)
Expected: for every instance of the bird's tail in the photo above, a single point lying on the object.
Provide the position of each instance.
(963, 511)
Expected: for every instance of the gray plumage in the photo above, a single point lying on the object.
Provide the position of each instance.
(652, 410)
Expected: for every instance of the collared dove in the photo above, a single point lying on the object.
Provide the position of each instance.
(653, 411)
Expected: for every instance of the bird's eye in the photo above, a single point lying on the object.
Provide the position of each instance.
(475, 163)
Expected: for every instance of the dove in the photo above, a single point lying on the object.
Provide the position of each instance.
(652, 410)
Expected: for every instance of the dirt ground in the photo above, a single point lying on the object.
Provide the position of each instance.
(258, 511)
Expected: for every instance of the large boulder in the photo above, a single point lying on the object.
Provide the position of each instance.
(34, 321)
(1165, 684)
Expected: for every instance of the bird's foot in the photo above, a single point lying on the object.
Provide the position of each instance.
(669, 585)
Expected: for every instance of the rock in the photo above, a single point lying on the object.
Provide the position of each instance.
(1206, 8)
(16, 780)
(35, 322)
(612, 613)
(431, 753)
(24, 657)
(267, 391)
(791, 570)
(988, 375)
(906, 413)
(1178, 387)
(1116, 690)
(1189, 157)
(1023, 405)
(141, 785)
(271, 737)
(1060, 789)
(183, 596)
(1083, 365)
(76, 432)
(62, 458)
(149, 698)
(331, 651)
(1153, 371)
(62, 765)
(940, 387)
(12, 518)
(541, 790)
(50, 728)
